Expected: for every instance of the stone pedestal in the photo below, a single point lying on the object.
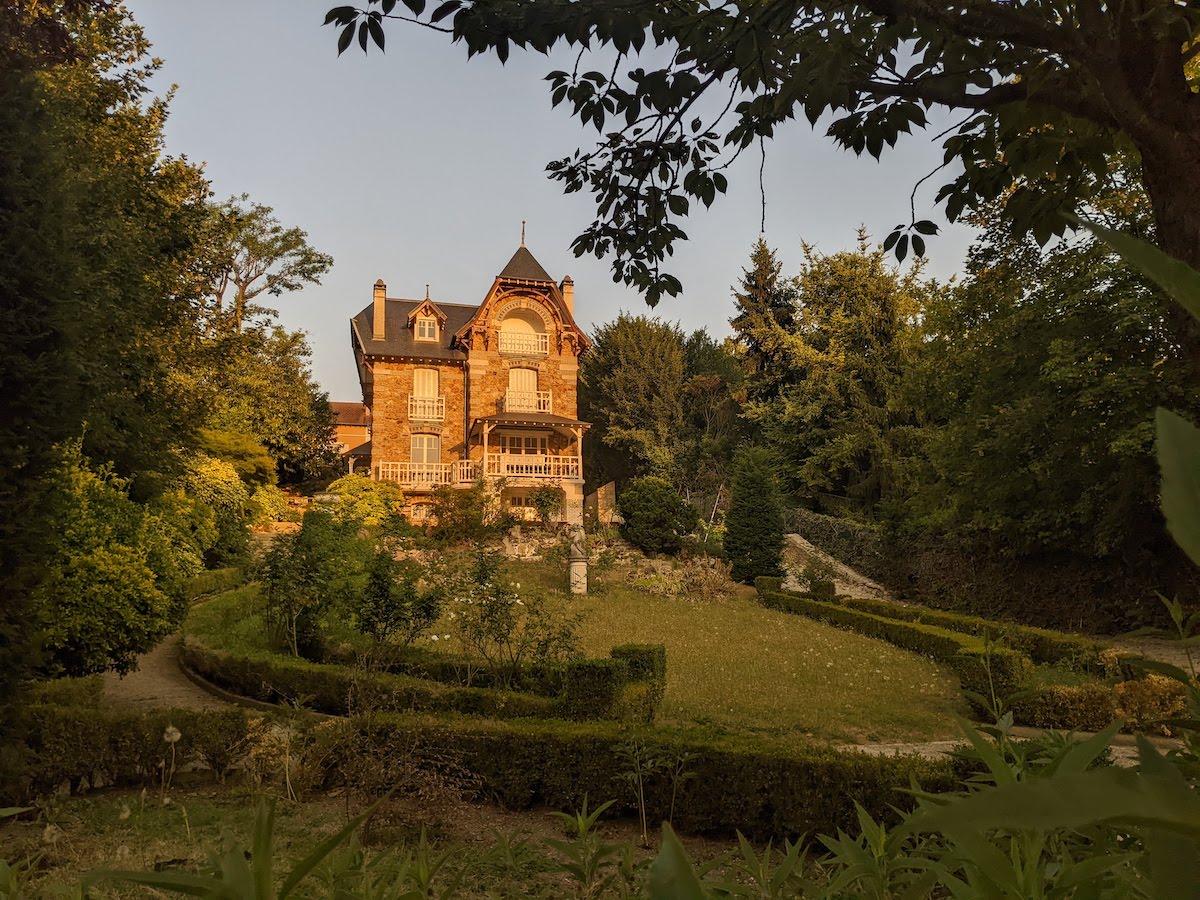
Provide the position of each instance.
(577, 563)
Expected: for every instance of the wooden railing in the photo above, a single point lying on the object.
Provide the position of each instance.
(520, 344)
(533, 465)
(426, 409)
(416, 474)
(527, 401)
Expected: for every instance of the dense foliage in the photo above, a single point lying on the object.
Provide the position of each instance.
(754, 525)
(366, 501)
(655, 517)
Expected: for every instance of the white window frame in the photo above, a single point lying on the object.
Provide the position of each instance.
(420, 446)
(427, 328)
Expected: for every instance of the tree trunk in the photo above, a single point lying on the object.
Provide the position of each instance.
(1172, 181)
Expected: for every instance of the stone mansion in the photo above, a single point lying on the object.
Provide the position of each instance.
(456, 392)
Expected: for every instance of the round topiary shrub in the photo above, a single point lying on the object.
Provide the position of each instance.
(656, 517)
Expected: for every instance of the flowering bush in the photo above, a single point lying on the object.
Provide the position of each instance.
(499, 629)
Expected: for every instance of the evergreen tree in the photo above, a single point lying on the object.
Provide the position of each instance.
(830, 411)
(766, 304)
(754, 525)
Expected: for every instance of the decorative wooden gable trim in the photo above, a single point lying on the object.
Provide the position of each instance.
(543, 298)
(427, 308)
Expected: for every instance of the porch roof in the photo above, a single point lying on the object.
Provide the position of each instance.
(544, 420)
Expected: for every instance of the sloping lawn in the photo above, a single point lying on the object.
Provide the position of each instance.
(734, 664)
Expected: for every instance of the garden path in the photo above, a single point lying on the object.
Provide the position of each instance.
(158, 683)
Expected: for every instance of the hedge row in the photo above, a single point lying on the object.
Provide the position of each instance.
(759, 789)
(592, 689)
(966, 655)
(213, 582)
(91, 746)
(1042, 645)
(763, 790)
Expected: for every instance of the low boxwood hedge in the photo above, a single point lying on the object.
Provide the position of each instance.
(94, 746)
(214, 581)
(759, 788)
(1042, 645)
(593, 689)
(981, 669)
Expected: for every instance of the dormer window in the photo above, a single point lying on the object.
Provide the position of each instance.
(427, 328)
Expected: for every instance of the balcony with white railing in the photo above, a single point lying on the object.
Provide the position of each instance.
(536, 466)
(527, 401)
(426, 409)
(416, 475)
(517, 343)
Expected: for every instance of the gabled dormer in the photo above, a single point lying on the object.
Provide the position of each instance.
(427, 321)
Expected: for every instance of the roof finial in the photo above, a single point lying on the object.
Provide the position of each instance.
(426, 292)
(522, 232)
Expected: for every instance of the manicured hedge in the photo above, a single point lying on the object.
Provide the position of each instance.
(338, 690)
(763, 790)
(543, 679)
(341, 690)
(1084, 707)
(94, 746)
(964, 654)
(1042, 645)
(856, 544)
(213, 582)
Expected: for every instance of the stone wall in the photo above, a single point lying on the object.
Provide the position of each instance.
(391, 429)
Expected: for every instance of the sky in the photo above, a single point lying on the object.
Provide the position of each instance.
(418, 166)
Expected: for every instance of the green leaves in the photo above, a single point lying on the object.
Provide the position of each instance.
(1174, 276)
(1179, 459)
(672, 876)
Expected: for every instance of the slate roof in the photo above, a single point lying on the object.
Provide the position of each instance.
(524, 267)
(400, 340)
(348, 413)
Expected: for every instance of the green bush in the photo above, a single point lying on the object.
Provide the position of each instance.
(655, 517)
(592, 688)
(1089, 707)
(1042, 645)
(964, 654)
(214, 581)
(217, 484)
(469, 516)
(647, 662)
(269, 504)
(363, 501)
(768, 583)
(339, 690)
(754, 524)
(856, 544)
(762, 789)
(93, 746)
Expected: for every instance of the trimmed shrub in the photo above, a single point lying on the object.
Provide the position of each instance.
(337, 690)
(964, 654)
(1089, 707)
(754, 524)
(214, 581)
(91, 746)
(765, 790)
(647, 662)
(768, 583)
(655, 517)
(592, 688)
(1146, 702)
(1042, 645)
(856, 544)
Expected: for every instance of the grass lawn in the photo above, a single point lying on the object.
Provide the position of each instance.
(735, 664)
(731, 663)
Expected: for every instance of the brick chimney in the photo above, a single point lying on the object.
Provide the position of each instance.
(380, 310)
(568, 293)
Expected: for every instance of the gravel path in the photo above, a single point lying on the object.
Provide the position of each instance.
(158, 683)
(797, 552)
